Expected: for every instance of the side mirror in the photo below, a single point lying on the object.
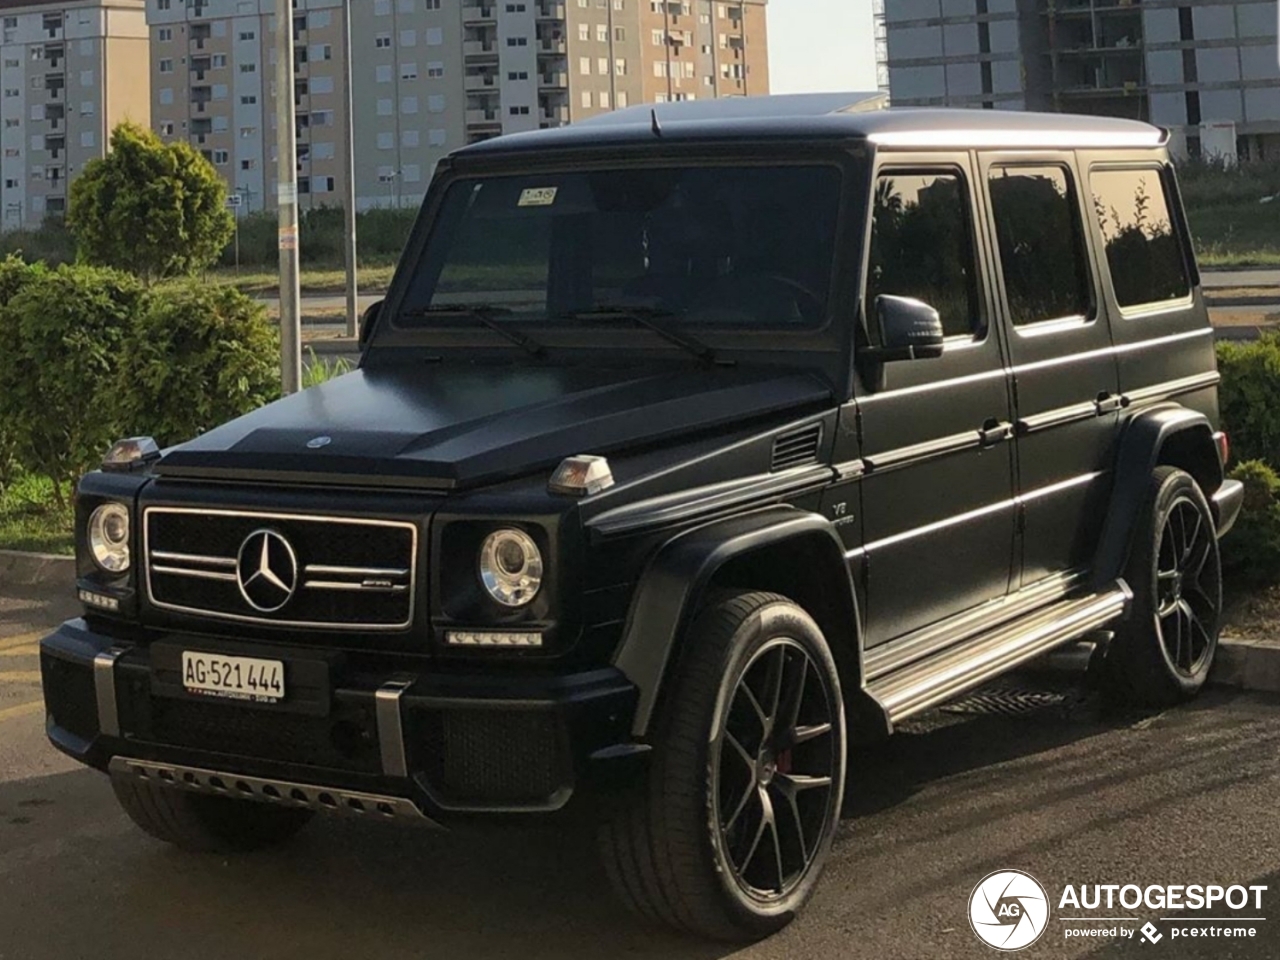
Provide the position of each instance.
(909, 330)
(368, 320)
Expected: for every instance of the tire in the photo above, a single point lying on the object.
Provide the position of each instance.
(1163, 652)
(206, 824)
(692, 847)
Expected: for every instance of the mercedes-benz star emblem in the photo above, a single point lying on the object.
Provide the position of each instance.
(266, 570)
(315, 443)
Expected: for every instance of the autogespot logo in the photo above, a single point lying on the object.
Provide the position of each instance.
(1009, 910)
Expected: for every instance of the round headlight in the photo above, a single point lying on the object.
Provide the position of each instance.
(510, 567)
(109, 537)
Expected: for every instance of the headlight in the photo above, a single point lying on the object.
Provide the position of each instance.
(510, 567)
(108, 537)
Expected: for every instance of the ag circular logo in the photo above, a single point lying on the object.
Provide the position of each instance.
(1009, 910)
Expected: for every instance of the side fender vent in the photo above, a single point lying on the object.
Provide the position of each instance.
(797, 447)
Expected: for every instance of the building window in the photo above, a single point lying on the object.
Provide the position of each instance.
(437, 138)
(386, 141)
(166, 65)
(409, 138)
(408, 38)
(517, 41)
(518, 75)
(248, 35)
(623, 99)
(164, 34)
(409, 105)
(248, 68)
(321, 85)
(433, 4)
(435, 36)
(602, 66)
(248, 99)
(382, 73)
(218, 60)
(620, 34)
(166, 129)
(382, 41)
(584, 32)
(620, 67)
(519, 111)
(408, 71)
(248, 164)
(586, 99)
(220, 157)
(435, 70)
(435, 103)
(385, 108)
(658, 37)
(584, 66)
(162, 4)
(602, 33)
(604, 100)
(248, 133)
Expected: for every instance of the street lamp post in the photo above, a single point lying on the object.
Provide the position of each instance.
(287, 203)
(349, 156)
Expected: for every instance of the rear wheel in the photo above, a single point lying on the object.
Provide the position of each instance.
(731, 832)
(1163, 652)
(206, 824)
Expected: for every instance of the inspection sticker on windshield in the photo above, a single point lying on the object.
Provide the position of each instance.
(538, 196)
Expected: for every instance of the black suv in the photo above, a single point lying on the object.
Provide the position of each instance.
(689, 444)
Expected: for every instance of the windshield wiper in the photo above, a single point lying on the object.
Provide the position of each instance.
(651, 318)
(483, 314)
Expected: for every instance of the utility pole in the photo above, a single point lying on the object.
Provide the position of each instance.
(349, 156)
(287, 202)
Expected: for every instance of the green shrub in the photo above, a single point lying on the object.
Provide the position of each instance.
(196, 357)
(382, 234)
(1249, 397)
(50, 242)
(65, 329)
(318, 370)
(15, 274)
(1251, 551)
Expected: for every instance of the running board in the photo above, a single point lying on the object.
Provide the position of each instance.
(926, 683)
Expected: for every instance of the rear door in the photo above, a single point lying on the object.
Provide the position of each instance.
(1066, 393)
(937, 493)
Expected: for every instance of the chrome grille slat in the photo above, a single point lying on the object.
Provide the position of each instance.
(350, 561)
(198, 574)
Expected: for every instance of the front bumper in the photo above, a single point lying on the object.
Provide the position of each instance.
(390, 743)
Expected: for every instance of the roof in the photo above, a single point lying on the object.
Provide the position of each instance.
(828, 116)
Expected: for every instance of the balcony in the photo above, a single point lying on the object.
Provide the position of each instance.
(555, 114)
(478, 13)
(550, 10)
(554, 81)
(552, 46)
(480, 118)
(480, 48)
(479, 82)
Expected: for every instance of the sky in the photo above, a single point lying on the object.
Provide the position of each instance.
(838, 57)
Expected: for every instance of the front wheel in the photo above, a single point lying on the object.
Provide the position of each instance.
(1163, 652)
(733, 827)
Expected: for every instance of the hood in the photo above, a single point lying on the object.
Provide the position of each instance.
(454, 427)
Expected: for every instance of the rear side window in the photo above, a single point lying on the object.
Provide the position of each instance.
(1144, 253)
(1046, 275)
(922, 247)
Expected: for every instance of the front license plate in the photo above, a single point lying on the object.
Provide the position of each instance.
(235, 678)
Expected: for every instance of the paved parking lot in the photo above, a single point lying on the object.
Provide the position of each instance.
(1034, 778)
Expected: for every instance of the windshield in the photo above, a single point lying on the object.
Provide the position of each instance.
(744, 247)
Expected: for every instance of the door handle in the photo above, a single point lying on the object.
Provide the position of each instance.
(1109, 402)
(995, 431)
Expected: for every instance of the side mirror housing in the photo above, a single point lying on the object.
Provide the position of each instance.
(368, 320)
(909, 330)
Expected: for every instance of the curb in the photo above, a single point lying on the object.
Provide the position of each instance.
(35, 569)
(1248, 664)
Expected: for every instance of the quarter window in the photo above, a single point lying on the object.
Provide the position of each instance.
(922, 247)
(1144, 253)
(1046, 275)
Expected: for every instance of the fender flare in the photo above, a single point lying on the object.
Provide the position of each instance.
(1143, 445)
(677, 577)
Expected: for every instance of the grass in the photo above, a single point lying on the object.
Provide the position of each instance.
(30, 520)
(1237, 234)
(315, 281)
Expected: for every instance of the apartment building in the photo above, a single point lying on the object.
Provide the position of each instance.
(427, 77)
(69, 71)
(1206, 70)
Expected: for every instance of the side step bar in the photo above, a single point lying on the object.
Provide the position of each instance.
(926, 683)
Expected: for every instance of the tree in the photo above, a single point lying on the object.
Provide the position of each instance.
(153, 209)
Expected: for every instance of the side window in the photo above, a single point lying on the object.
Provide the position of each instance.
(922, 247)
(1046, 273)
(1144, 252)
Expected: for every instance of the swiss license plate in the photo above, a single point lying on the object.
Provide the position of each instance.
(235, 678)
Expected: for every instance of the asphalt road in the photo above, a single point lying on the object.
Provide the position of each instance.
(1187, 796)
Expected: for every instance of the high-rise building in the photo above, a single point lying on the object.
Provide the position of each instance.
(427, 77)
(1208, 71)
(70, 70)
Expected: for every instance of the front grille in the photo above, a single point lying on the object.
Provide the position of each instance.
(286, 569)
(488, 757)
(345, 740)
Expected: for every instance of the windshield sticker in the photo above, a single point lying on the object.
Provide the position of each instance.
(538, 196)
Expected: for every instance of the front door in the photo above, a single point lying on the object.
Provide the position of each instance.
(1066, 392)
(938, 504)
